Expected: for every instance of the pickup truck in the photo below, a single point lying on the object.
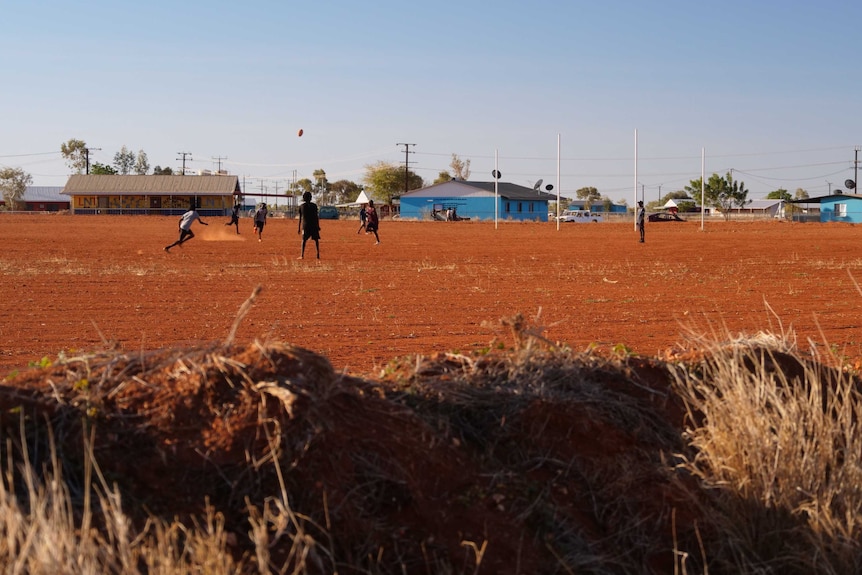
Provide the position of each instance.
(579, 216)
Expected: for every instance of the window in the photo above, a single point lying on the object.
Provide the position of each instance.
(840, 210)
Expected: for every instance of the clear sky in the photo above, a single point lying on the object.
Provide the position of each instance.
(769, 89)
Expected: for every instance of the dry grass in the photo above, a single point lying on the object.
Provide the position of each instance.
(743, 458)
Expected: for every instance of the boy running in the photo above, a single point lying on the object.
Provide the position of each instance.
(186, 232)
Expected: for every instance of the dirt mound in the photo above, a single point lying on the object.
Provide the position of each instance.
(521, 462)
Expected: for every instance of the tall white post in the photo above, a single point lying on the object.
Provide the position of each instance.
(558, 182)
(702, 185)
(636, 181)
(496, 194)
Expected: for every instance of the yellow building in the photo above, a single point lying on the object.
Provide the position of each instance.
(164, 195)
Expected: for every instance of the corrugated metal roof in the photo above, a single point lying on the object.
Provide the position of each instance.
(90, 185)
(44, 194)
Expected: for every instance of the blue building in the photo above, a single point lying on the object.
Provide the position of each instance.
(476, 200)
(839, 207)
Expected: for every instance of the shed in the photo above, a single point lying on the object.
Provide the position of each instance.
(166, 195)
(476, 200)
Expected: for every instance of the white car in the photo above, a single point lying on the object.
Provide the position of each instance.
(579, 216)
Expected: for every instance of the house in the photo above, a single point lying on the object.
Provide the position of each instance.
(838, 207)
(772, 208)
(214, 195)
(477, 201)
(41, 199)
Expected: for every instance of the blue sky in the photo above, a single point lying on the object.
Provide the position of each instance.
(771, 90)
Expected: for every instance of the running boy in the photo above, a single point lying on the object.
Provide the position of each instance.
(186, 232)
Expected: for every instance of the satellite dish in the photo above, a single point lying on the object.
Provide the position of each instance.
(537, 184)
(496, 174)
(849, 184)
(837, 192)
(549, 187)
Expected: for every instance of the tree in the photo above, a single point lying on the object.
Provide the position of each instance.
(124, 161)
(142, 163)
(589, 195)
(98, 169)
(461, 168)
(385, 181)
(76, 154)
(779, 194)
(13, 184)
(801, 194)
(443, 177)
(344, 191)
(160, 171)
(722, 193)
(304, 185)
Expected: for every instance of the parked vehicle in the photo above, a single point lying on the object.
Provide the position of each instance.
(664, 217)
(580, 216)
(327, 213)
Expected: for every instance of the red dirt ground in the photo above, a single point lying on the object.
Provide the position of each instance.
(71, 282)
(450, 451)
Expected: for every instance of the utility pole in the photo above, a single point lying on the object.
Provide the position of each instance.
(87, 157)
(218, 160)
(276, 195)
(856, 170)
(184, 154)
(407, 153)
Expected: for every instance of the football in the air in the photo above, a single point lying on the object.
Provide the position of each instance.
(299, 133)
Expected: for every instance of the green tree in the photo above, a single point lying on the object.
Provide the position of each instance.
(779, 194)
(98, 169)
(443, 177)
(722, 193)
(124, 161)
(385, 181)
(142, 163)
(304, 185)
(13, 184)
(344, 191)
(160, 171)
(461, 168)
(76, 154)
(589, 195)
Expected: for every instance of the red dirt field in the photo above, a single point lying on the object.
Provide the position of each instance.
(78, 282)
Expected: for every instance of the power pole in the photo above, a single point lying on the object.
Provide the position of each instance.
(407, 153)
(87, 157)
(184, 154)
(218, 160)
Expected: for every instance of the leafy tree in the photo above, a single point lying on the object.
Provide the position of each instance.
(589, 195)
(461, 168)
(344, 191)
(385, 181)
(142, 163)
(779, 194)
(304, 185)
(160, 171)
(443, 177)
(321, 184)
(75, 152)
(722, 193)
(124, 161)
(98, 169)
(801, 194)
(13, 184)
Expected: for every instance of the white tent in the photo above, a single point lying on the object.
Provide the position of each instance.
(361, 199)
